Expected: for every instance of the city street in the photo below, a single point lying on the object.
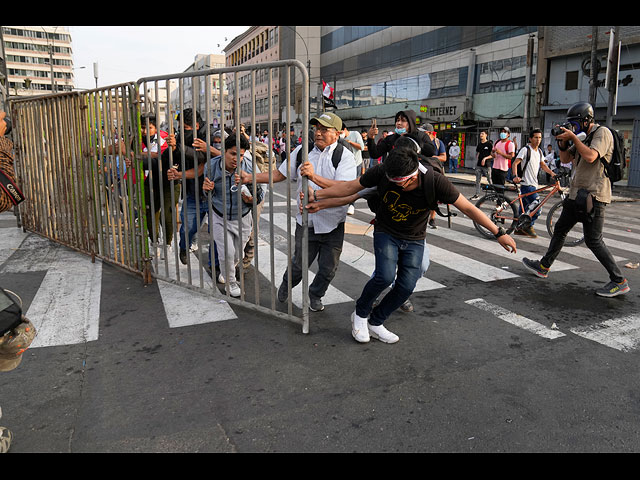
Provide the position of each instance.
(493, 359)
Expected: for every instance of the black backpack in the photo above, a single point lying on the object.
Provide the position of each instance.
(614, 169)
(428, 186)
(522, 166)
(335, 157)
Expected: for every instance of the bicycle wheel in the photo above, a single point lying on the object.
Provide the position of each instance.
(574, 237)
(507, 217)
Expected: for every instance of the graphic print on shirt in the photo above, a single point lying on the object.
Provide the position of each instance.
(400, 212)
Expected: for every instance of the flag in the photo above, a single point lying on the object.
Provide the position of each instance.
(327, 94)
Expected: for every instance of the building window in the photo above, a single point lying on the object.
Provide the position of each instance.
(571, 81)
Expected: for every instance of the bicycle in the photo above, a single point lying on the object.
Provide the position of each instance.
(503, 211)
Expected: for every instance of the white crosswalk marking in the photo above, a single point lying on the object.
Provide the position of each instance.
(468, 266)
(515, 319)
(66, 309)
(620, 333)
(192, 308)
(359, 258)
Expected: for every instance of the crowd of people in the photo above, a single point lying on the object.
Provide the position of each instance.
(389, 169)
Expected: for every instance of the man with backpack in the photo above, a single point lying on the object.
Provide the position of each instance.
(328, 163)
(525, 168)
(589, 193)
(408, 191)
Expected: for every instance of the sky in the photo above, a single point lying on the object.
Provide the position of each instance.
(128, 53)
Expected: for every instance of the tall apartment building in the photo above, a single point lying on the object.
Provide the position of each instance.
(39, 60)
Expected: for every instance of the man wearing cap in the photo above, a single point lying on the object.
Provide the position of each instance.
(326, 228)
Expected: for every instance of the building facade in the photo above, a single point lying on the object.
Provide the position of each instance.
(39, 60)
(461, 79)
(567, 52)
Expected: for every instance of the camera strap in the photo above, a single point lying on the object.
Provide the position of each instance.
(9, 186)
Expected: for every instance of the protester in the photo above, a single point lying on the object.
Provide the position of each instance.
(530, 160)
(400, 230)
(502, 153)
(219, 179)
(484, 161)
(193, 198)
(326, 228)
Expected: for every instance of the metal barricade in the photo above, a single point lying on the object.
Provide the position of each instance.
(195, 268)
(94, 183)
(70, 153)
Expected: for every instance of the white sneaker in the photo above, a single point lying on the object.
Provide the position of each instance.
(234, 289)
(381, 333)
(221, 279)
(359, 328)
(351, 210)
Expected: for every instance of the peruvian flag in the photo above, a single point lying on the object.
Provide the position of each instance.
(327, 91)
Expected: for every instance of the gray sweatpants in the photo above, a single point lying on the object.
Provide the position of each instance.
(235, 239)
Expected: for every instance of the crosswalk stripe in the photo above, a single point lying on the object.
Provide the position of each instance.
(66, 308)
(333, 295)
(577, 251)
(193, 309)
(468, 266)
(492, 247)
(363, 260)
(622, 333)
(515, 319)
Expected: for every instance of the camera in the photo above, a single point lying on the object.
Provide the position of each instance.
(557, 130)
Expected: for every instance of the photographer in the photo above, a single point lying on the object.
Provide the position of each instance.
(583, 142)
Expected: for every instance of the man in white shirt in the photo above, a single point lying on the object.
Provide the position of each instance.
(532, 159)
(354, 142)
(326, 227)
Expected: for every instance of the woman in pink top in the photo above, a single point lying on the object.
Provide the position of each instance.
(502, 153)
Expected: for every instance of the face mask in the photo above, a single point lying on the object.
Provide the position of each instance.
(401, 131)
(503, 135)
(342, 135)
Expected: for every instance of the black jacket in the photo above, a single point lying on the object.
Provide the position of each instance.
(385, 145)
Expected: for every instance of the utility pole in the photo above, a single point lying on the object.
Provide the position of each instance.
(593, 83)
(613, 64)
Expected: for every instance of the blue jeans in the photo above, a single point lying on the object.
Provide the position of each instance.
(526, 201)
(453, 165)
(392, 254)
(192, 220)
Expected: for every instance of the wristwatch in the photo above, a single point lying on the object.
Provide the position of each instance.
(500, 232)
(315, 199)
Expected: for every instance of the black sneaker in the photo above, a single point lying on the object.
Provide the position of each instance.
(613, 289)
(432, 223)
(536, 267)
(183, 256)
(283, 292)
(315, 304)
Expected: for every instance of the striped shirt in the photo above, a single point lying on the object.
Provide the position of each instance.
(328, 219)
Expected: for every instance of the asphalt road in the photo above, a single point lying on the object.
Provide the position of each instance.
(509, 364)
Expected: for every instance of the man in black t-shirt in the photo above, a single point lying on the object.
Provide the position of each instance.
(398, 238)
(483, 162)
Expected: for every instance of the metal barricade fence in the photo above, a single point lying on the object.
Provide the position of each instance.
(173, 261)
(70, 150)
(95, 183)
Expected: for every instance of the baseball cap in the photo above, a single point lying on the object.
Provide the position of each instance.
(427, 127)
(328, 119)
(14, 343)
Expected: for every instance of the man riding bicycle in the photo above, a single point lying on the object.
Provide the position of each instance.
(530, 159)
